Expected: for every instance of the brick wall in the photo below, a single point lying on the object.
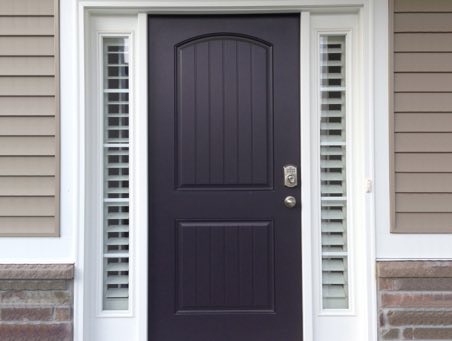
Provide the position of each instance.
(36, 302)
(415, 300)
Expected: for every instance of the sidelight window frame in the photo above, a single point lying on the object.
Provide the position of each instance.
(329, 26)
(100, 323)
(339, 323)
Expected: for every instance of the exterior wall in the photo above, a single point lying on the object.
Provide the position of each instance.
(420, 122)
(415, 300)
(49, 250)
(29, 118)
(36, 302)
(393, 245)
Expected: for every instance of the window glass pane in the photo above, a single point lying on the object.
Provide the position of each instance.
(116, 174)
(333, 177)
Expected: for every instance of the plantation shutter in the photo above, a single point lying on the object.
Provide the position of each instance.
(116, 174)
(333, 172)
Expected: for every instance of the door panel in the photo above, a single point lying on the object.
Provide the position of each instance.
(225, 255)
(225, 266)
(224, 115)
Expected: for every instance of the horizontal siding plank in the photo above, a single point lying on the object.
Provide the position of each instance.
(27, 146)
(34, 166)
(27, 106)
(423, 42)
(424, 202)
(27, 86)
(423, 222)
(27, 186)
(27, 206)
(27, 66)
(27, 46)
(423, 82)
(27, 7)
(423, 162)
(422, 122)
(421, 102)
(423, 182)
(27, 26)
(27, 226)
(422, 22)
(422, 5)
(17, 126)
(423, 142)
(421, 62)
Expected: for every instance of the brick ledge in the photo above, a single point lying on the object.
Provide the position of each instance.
(36, 271)
(414, 269)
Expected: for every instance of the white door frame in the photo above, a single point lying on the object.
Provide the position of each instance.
(141, 9)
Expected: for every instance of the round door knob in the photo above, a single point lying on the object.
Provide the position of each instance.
(290, 201)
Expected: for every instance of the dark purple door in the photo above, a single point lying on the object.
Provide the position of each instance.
(224, 250)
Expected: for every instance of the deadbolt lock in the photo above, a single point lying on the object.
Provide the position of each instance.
(290, 176)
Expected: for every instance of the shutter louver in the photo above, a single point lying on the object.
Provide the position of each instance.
(116, 175)
(333, 173)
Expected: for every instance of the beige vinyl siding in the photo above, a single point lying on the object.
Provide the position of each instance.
(29, 118)
(11, 186)
(27, 66)
(421, 115)
(28, 106)
(27, 46)
(27, 146)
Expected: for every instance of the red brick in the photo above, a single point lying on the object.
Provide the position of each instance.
(26, 314)
(63, 314)
(415, 284)
(406, 318)
(432, 333)
(32, 285)
(382, 319)
(390, 334)
(387, 284)
(36, 297)
(36, 332)
(413, 300)
(408, 334)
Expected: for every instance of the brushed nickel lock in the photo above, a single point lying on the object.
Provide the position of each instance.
(290, 176)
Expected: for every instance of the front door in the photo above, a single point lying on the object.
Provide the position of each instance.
(224, 121)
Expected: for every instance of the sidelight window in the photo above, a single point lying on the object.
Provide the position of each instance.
(333, 172)
(115, 173)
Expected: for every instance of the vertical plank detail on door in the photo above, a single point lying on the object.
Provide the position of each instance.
(222, 131)
(225, 266)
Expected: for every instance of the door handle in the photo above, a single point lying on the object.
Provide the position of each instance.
(290, 201)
